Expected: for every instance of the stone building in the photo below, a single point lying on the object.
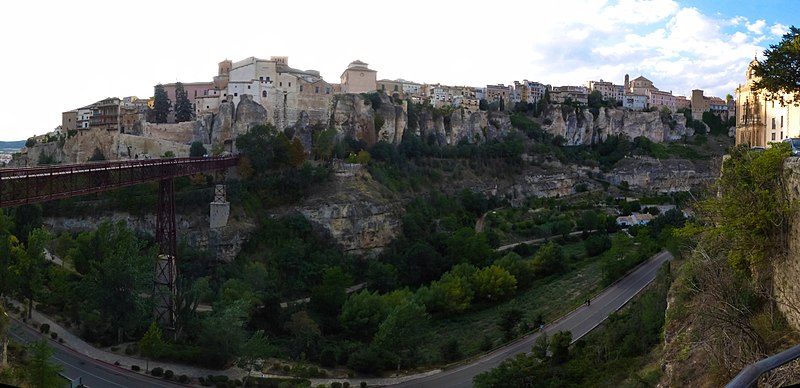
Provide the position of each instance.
(642, 86)
(701, 104)
(359, 78)
(760, 121)
(609, 90)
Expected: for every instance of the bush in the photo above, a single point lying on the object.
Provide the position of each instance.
(44, 328)
(183, 379)
(135, 368)
(336, 384)
(157, 371)
(363, 384)
(54, 335)
(168, 374)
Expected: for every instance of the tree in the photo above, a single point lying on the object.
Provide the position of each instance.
(509, 319)
(328, 298)
(779, 72)
(595, 99)
(253, 352)
(183, 107)
(323, 144)
(402, 333)
(493, 284)
(6, 277)
(117, 278)
(559, 346)
(4, 325)
(161, 104)
(151, 345)
(305, 331)
(29, 265)
(40, 372)
(363, 313)
(197, 149)
(549, 259)
(222, 333)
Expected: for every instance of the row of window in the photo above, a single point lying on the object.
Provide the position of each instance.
(773, 135)
(773, 124)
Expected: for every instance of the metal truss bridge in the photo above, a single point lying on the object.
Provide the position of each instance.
(20, 186)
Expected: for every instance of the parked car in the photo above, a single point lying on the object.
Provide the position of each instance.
(795, 142)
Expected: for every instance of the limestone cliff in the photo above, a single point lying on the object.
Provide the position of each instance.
(356, 212)
(663, 175)
(224, 243)
(582, 127)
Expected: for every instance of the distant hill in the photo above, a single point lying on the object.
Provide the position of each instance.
(12, 144)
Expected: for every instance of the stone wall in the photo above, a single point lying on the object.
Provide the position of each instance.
(787, 271)
(179, 133)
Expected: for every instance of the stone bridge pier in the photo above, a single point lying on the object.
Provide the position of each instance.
(220, 209)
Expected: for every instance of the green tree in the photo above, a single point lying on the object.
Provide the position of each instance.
(779, 71)
(452, 293)
(197, 149)
(548, 260)
(402, 333)
(151, 345)
(29, 265)
(161, 104)
(222, 333)
(466, 246)
(305, 331)
(753, 209)
(595, 99)
(509, 319)
(253, 352)
(559, 346)
(116, 282)
(493, 283)
(362, 313)
(39, 371)
(323, 144)
(6, 277)
(521, 269)
(328, 298)
(183, 107)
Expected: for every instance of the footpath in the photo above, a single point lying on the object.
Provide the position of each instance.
(125, 362)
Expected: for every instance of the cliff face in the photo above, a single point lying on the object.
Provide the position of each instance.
(664, 175)
(581, 127)
(224, 243)
(356, 212)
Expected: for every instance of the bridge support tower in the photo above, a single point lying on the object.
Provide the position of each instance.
(220, 208)
(164, 288)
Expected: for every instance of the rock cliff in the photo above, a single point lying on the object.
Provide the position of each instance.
(664, 175)
(224, 243)
(582, 127)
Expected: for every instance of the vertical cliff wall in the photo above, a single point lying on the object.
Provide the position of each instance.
(786, 272)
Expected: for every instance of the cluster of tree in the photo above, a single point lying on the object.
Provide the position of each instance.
(162, 105)
(30, 366)
(609, 356)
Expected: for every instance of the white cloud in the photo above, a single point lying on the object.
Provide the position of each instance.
(756, 27)
(778, 29)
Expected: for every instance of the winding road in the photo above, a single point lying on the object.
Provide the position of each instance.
(580, 322)
(93, 373)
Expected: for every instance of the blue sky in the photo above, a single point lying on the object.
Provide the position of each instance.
(63, 55)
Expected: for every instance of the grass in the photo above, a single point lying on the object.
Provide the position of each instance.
(552, 297)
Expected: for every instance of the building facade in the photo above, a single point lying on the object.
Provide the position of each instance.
(359, 78)
(760, 121)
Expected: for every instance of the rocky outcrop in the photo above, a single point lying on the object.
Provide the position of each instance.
(582, 127)
(224, 243)
(353, 116)
(222, 128)
(248, 114)
(664, 175)
(786, 271)
(355, 212)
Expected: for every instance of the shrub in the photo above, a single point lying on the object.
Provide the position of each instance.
(44, 328)
(135, 368)
(363, 384)
(129, 350)
(183, 379)
(157, 371)
(336, 384)
(53, 335)
(168, 374)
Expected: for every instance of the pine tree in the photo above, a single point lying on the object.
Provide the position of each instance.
(161, 104)
(183, 107)
(780, 71)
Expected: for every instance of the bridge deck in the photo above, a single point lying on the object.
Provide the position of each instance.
(19, 186)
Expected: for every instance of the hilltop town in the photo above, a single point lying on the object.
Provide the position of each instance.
(255, 91)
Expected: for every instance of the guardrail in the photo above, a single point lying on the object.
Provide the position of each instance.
(749, 376)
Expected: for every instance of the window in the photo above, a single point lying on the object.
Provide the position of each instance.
(316, 89)
(280, 83)
(301, 88)
(781, 121)
(236, 94)
(195, 93)
(773, 124)
(264, 93)
(268, 79)
(248, 86)
(327, 90)
(290, 84)
(773, 136)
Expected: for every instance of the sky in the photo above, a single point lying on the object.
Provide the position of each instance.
(62, 55)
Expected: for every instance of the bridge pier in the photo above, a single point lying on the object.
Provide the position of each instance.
(220, 208)
(164, 288)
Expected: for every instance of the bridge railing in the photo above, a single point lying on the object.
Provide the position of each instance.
(749, 376)
(20, 186)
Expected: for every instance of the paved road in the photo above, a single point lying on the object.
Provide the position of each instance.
(93, 373)
(579, 322)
